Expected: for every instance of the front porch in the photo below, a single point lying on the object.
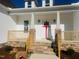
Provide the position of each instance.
(64, 20)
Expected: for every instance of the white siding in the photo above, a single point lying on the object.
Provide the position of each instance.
(67, 19)
(76, 21)
(6, 23)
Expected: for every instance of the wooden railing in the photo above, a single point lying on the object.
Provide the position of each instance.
(17, 35)
(71, 35)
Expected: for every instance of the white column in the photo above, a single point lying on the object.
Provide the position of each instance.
(26, 4)
(33, 4)
(43, 3)
(32, 20)
(51, 2)
(58, 20)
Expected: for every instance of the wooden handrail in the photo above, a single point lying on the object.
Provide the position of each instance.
(30, 40)
(58, 41)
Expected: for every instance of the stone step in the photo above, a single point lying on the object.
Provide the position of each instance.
(43, 48)
(43, 56)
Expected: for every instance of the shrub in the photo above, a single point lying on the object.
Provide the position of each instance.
(70, 52)
(7, 48)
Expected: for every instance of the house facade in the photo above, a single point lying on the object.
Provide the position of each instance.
(23, 19)
(38, 26)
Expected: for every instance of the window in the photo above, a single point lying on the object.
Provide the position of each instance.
(26, 23)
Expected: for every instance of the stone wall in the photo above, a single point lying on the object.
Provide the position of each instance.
(73, 45)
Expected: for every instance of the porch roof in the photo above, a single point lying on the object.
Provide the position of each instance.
(44, 9)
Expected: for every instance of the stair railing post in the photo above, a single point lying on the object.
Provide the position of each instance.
(58, 41)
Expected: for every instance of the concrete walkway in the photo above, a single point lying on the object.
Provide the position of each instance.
(43, 56)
